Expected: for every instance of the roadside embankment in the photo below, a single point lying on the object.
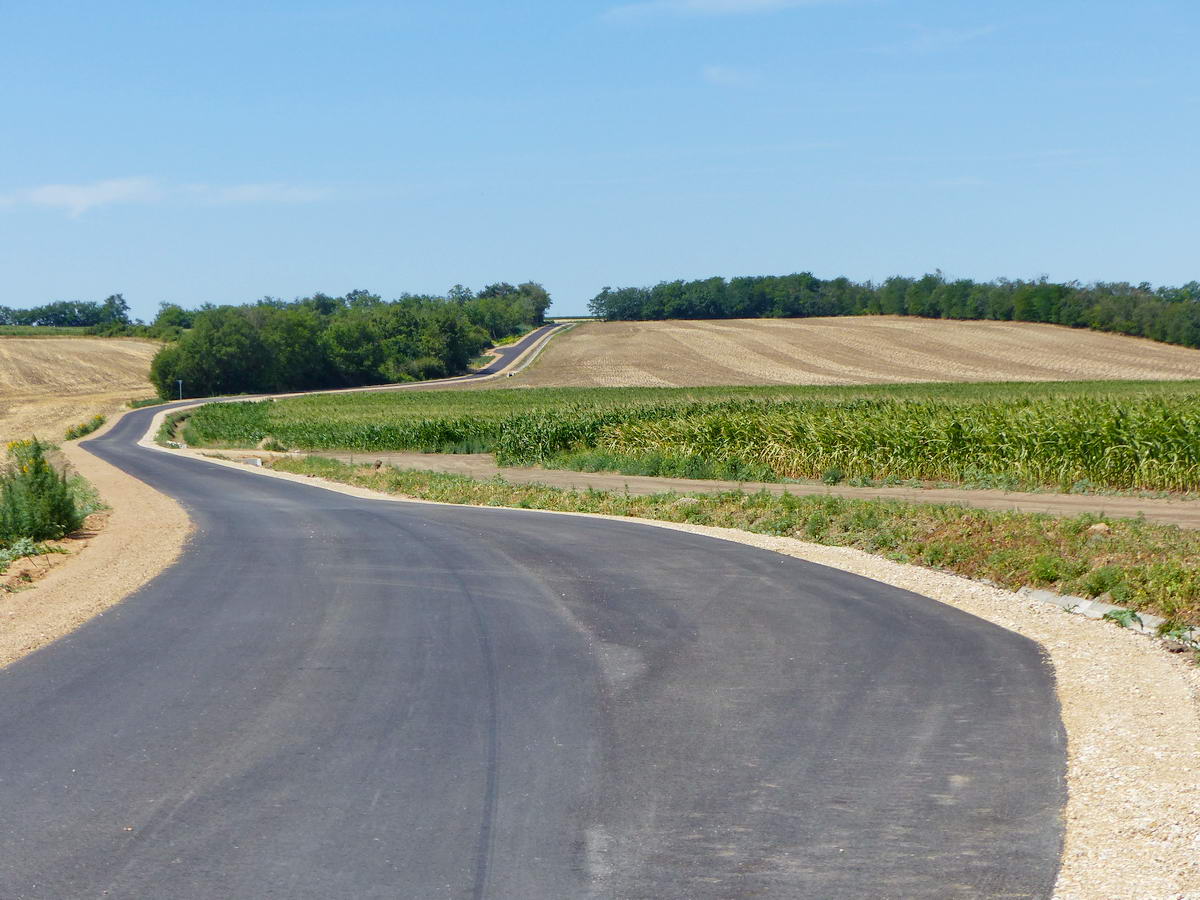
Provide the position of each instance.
(144, 533)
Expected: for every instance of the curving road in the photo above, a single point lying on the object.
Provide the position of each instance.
(506, 356)
(330, 697)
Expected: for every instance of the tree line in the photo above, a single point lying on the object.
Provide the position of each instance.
(111, 313)
(310, 342)
(323, 341)
(1169, 314)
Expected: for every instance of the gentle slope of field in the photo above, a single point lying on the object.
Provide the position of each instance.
(854, 350)
(48, 384)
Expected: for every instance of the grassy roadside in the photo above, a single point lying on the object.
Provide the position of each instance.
(1141, 565)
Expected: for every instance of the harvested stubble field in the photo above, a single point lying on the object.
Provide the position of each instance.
(844, 350)
(48, 384)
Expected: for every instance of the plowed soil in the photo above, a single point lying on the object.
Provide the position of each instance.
(49, 384)
(852, 350)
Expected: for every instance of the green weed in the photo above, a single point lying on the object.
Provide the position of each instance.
(36, 502)
(78, 431)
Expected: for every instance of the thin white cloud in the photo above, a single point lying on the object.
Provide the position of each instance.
(933, 40)
(730, 76)
(651, 8)
(247, 194)
(77, 199)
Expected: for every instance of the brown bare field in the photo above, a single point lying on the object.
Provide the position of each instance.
(49, 384)
(848, 350)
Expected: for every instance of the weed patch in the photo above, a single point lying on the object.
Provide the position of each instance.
(78, 431)
(36, 502)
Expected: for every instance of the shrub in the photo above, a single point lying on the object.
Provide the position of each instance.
(36, 502)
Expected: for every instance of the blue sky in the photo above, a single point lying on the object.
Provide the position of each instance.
(220, 151)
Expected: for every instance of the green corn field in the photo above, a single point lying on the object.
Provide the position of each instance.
(1140, 436)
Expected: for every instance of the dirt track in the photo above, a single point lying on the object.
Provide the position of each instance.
(1184, 513)
(49, 384)
(856, 350)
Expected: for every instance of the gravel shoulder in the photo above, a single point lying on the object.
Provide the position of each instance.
(1131, 712)
(145, 532)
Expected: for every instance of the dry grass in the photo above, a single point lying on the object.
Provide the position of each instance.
(857, 350)
(49, 384)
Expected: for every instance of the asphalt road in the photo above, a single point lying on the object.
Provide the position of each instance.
(505, 356)
(330, 697)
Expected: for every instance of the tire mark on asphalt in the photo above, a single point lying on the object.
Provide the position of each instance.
(483, 851)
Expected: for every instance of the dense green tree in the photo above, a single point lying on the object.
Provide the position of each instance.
(171, 315)
(323, 341)
(223, 354)
(538, 298)
(114, 310)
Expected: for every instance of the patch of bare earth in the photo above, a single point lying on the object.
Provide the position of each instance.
(844, 350)
(49, 384)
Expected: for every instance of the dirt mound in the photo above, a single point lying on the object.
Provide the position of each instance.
(47, 384)
(851, 350)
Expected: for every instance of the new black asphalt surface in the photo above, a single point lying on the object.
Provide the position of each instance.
(506, 356)
(331, 697)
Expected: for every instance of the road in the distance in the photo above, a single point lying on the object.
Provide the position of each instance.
(330, 697)
(506, 356)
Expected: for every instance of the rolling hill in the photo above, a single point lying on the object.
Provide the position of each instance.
(47, 384)
(845, 350)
